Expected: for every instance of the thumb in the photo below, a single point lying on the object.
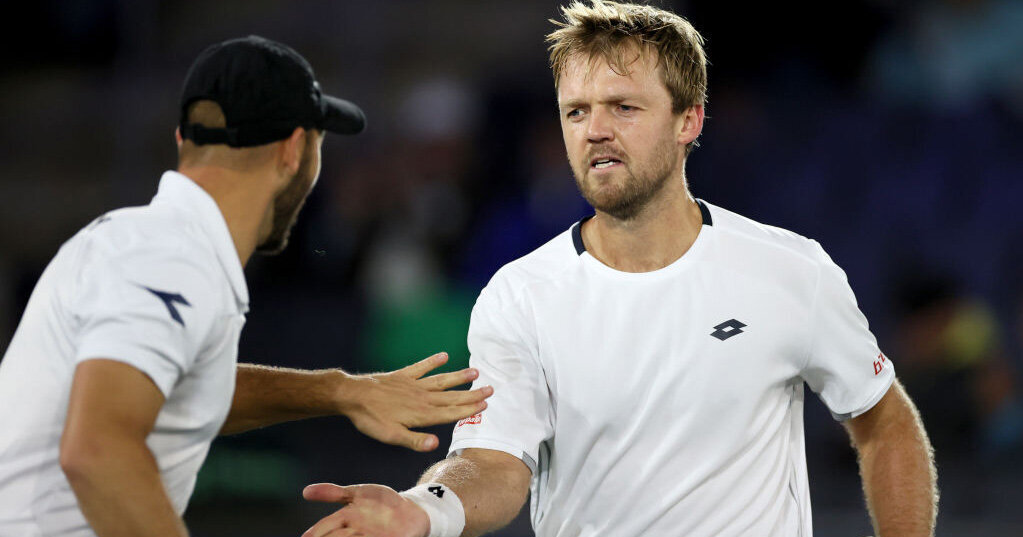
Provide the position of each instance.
(418, 441)
(329, 492)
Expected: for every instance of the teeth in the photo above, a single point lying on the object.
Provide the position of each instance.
(603, 163)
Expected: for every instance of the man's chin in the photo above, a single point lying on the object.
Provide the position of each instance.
(614, 202)
(605, 198)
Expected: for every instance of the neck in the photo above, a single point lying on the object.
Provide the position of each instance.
(659, 235)
(241, 200)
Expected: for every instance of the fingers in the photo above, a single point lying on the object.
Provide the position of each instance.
(329, 492)
(444, 381)
(425, 365)
(332, 526)
(462, 398)
(449, 414)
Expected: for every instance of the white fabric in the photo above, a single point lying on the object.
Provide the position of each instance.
(633, 417)
(99, 298)
(442, 506)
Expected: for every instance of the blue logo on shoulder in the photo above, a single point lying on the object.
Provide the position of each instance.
(169, 299)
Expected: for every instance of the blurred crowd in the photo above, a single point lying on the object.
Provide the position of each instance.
(890, 131)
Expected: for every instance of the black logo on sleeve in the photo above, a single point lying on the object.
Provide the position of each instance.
(436, 491)
(169, 299)
(727, 329)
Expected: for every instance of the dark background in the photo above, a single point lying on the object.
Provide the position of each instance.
(890, 131)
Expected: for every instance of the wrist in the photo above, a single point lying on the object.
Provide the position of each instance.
(343, 389)
(442, 507)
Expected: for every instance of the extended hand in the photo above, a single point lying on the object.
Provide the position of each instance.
(370, 510)
(385, 405)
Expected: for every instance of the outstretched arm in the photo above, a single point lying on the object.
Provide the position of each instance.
(897, 466)
(492, 486)
(381, 405)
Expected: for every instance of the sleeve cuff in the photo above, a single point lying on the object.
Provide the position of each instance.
(458, 445)
(160, 370)
(869, 403)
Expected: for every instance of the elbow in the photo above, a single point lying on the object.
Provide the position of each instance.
(79, 458)
(72, 461)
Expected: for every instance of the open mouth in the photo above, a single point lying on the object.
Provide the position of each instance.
(603, 162)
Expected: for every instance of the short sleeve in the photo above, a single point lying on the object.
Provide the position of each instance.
(150, 308)
(503, 348)
(845, 367)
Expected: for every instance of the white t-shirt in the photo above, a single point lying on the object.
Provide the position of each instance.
(669, 402)
(158, 287)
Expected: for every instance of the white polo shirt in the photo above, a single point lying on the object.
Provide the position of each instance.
(669, 402)
(158, 287)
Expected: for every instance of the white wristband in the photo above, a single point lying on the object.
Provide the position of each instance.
(447, 516)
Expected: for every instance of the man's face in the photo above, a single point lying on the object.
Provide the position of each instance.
(620, 133)
(289, 202)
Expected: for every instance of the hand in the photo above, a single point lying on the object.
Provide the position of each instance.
(370, 510)
(384, 405)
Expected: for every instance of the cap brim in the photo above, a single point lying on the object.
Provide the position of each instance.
(341, 116)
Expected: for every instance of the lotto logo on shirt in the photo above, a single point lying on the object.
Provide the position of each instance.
(471, 420)
(879, 363)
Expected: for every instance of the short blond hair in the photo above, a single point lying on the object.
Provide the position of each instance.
(608, 30)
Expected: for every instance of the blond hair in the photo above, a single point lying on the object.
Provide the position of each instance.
(608, 30)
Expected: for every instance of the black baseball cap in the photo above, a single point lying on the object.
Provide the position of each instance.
(265, 90)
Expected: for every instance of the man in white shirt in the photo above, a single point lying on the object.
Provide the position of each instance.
(124, 366)
(649, 362)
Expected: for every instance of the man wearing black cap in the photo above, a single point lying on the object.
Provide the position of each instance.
(124, 366)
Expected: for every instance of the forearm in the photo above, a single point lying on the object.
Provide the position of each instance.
(267, 395)
(118, 488)
(491, 494)
(899, 477)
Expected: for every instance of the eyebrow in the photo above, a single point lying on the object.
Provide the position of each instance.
(611, 99)
(572, 103)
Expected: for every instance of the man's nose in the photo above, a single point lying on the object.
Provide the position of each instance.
(600, 127)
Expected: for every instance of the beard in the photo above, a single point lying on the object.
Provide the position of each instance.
(625, 198)
(288, 204)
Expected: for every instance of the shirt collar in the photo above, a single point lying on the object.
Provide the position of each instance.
(178, 190)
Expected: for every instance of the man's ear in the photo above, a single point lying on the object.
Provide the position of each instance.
(177, 137)
(691, 125)
(290, 155)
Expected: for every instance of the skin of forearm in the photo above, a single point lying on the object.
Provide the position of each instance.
(899, 477)
(492, 493)
(266, 395)
(118, 487)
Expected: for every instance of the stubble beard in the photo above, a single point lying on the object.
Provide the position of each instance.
(625, 199)
(287, 206)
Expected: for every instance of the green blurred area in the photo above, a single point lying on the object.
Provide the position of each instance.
(428, 321)
(249, 474)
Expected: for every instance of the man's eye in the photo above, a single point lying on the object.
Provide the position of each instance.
(626, 108)
(575, 113)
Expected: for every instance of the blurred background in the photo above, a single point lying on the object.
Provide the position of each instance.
(891, 131)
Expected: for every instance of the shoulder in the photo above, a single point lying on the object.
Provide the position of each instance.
(125, 229)
(746, 238)
(550, 262)
(745, 231)
(143, 244)
(137, 233)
